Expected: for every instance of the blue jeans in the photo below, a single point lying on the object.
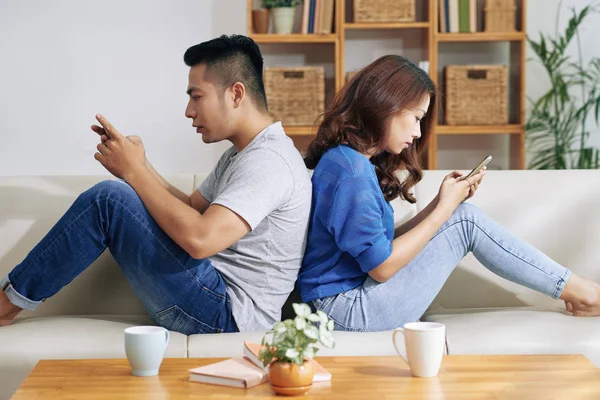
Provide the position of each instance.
(406, 296)
(179, 292)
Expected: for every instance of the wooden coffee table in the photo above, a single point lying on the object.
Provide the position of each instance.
(571, 377)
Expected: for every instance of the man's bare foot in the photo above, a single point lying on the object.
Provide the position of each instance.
(582, 297)
(8, 311)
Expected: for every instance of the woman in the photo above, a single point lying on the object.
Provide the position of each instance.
(360, 272)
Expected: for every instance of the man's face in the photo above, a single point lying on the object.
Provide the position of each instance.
(207, 106)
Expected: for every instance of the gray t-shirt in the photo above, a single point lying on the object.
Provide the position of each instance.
(268, 185)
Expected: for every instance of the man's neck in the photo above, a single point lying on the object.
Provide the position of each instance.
(252, 126)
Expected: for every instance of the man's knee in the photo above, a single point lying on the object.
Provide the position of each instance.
(110, 189)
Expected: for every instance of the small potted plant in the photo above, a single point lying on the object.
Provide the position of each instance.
(292, 347)
(283, 12)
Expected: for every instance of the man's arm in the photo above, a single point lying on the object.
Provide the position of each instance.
(200, 235)
(196, 200)
(417, 219)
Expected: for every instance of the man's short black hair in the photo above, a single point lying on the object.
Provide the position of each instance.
(231, 59)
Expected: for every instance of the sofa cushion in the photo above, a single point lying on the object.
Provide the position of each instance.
(30, 206)
(524, 330)
(347, 344)
(555, 211)
(29, 340)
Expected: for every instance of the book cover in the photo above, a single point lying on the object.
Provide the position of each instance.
(235, 372)
(453, 12)
(463, 16)
(442, 13)
(305, 13)
(473, 15)
(251, 351)
(311, 17)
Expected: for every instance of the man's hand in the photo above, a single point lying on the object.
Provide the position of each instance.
(121, 156)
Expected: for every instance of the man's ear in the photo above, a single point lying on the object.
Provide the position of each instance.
(238, 92)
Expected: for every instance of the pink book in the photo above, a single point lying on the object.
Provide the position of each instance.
(235, 372)
(251, 351)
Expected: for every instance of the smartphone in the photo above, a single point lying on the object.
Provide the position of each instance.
(478, 168)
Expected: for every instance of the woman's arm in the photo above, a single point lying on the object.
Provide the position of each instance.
(406, 246)
(414, 221)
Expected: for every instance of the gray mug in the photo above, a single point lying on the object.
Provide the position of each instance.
(145, 347)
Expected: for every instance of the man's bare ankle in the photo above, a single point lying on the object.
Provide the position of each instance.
(8, 311)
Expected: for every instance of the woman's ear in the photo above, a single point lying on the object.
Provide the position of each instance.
(238, 92)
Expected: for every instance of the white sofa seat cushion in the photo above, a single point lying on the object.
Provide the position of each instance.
(524, 330)
(346, 344)
(27, 341)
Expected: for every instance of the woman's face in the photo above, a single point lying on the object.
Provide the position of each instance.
(405, 127)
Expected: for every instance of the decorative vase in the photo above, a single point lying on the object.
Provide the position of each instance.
(260, 20)
(283, 19)
(291, 379)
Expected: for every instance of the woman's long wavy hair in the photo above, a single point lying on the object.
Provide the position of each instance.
(361, 114)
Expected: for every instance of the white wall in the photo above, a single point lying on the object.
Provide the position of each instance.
(65, 60)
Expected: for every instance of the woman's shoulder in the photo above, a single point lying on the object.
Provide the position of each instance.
(344, 161)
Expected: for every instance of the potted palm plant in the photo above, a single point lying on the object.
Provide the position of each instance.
(558, 121)
(291, 348)
(283, 12)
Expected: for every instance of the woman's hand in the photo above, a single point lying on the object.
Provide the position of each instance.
(455, 190)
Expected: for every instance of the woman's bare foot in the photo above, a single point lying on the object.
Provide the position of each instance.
(582, 297)
(8, 311)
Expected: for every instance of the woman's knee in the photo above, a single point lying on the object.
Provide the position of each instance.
(467, 210)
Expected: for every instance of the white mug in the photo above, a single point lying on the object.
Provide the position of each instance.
(145, 347)
(423, 348)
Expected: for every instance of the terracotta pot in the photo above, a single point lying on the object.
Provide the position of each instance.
(291, 379)
(260, 20)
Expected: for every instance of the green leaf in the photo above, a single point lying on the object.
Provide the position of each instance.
(313, 318)
(301, 309)
(312, 332)
(291, 353)
(280, 327)
(300, 323)
(330, 325)
(322, 317)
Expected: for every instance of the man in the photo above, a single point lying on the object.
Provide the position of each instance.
(221, 260)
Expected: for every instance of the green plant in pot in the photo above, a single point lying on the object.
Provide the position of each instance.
(283, 12)
(556, 125)
(291, 348)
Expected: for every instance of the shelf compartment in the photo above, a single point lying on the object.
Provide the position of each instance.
(294, 38)
(479, 129)
(386, 25)
(480, 37)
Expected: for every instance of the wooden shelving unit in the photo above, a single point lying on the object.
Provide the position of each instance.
(427, 26)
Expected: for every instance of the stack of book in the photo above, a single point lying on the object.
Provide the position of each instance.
(458, 16)
(245, 371)
(317, 16)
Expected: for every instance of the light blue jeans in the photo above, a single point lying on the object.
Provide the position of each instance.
(181, 293)
(406, 296)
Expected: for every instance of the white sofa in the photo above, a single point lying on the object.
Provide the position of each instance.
(557, 211)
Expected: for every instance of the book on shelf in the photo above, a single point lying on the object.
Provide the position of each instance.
(317, 16)
(457, 16)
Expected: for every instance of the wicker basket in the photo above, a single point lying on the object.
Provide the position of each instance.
(476, 94)
(500, 15)
(296, 96)
(384, 10)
